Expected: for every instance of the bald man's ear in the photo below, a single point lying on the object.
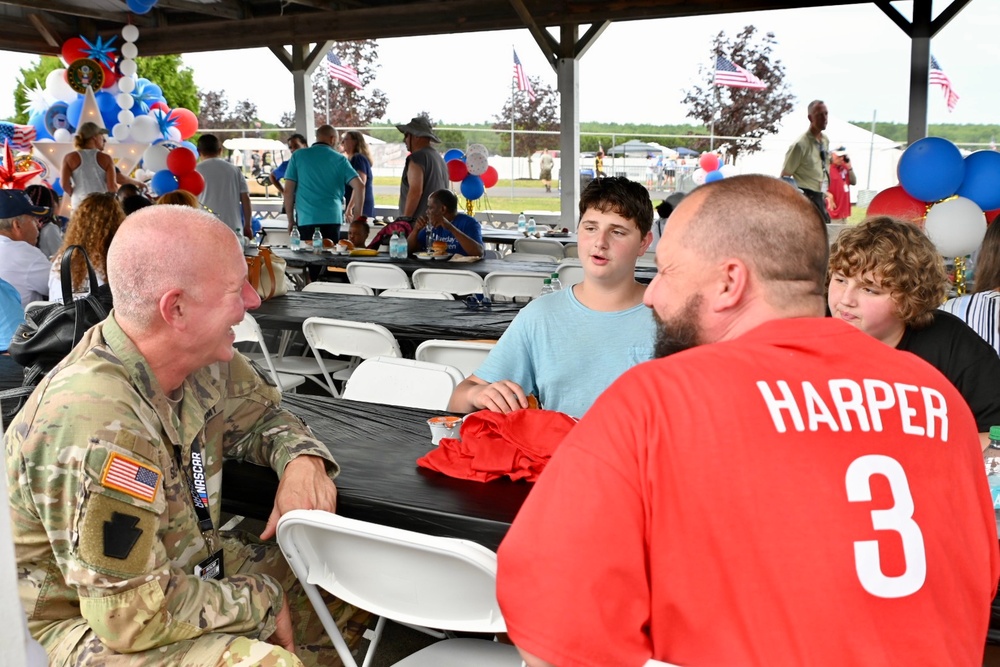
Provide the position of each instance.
(732, 284)
(172, 309)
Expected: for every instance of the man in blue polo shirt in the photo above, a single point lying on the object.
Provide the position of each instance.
(314, 187)
(461, 232)
(295, 142)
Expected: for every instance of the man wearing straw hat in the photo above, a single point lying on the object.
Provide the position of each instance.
(424, 171)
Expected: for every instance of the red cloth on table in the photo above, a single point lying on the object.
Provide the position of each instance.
(493, 445)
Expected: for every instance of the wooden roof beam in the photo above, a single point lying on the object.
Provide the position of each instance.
(223, 9)
(58, 7)
(545, 41)
(46, 30)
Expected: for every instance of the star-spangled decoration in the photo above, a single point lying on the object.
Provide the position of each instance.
(165, 120)
(145, 95)
(10, 177)
(37, 101)
(101, 51)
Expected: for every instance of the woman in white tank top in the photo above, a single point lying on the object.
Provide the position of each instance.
(88, 169)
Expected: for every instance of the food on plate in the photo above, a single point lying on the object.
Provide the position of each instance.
(565, 230)
(363, 252)
(440, 247)
(532, 402)
(327, 243)
(346, 245)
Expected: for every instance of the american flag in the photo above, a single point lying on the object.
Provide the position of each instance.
(338, 70)
(131, 477)
(522, 79)
(938, 77)
(19, 136)
(730, 74)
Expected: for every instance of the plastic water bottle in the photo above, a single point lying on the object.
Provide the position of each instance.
(531, 226)
(294, 239)
(521, 223)
(556, 283)
(397, 246)
(993, 466)
(317, 241)
(394, 245)
(546, 287)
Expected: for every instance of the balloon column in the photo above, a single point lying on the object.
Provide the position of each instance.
(175, 169)
(473, 170)
(709, 169)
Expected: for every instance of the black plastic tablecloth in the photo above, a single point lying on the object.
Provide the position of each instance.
(11, 373)
(377, 447)
(405, 318)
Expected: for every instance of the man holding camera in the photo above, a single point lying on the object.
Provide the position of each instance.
(838, 197)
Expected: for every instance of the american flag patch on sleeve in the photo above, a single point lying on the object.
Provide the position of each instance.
(131, 477)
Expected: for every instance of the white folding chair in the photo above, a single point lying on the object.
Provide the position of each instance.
(417, 294)
(529, 257)
(377, 276)
(572, 250)
(508, 285)
(570, 274)
(249, 331)
(466, 356)
(339, 288)
(446, 280)
(403, 576)
(403, 382)
(358, 340)
(540, 247)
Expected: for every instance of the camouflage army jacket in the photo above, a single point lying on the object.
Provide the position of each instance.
(105, 530)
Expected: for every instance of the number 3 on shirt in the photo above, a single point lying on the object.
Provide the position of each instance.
(899, 518)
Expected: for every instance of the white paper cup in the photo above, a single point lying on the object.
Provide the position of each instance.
(444, 427)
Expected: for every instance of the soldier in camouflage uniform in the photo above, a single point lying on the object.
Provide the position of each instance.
(115, 465)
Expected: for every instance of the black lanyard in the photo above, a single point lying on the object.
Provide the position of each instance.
(197, 485)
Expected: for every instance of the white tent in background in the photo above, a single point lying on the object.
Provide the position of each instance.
(858, 141)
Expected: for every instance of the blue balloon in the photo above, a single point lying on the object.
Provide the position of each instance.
(58, 188)
(982, 179)
(140, 6)
(163, 182)
(472, 187)
(453, 154)
(713, 176)
(108, 106)
(190, 146)
(931, 169)
(73, 112)
(37, 121)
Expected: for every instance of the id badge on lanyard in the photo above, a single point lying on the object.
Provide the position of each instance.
(213, 566)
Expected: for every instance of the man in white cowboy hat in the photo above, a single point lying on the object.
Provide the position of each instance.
(424, 172)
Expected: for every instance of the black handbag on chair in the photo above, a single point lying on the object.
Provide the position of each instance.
(49, 332)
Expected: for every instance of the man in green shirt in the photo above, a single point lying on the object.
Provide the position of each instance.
(808, 159)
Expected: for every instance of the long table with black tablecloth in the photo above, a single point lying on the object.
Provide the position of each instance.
(509, 236)
(481, 267)
(417, 319)
(377, 447)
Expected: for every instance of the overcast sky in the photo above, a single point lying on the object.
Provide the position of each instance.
(853, 57)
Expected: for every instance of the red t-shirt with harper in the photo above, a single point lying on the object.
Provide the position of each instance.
(803, 495)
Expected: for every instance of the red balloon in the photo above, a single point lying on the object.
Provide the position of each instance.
(896, 202)
(457, 170)
(490, 176)
(162, 106)
(992, 215)
(181, 160)
(709, 161)
(73, 49)
(186, 122)
(192, 181)
(110, 76)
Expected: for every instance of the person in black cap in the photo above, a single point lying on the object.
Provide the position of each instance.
(424, 171)
(21, 263)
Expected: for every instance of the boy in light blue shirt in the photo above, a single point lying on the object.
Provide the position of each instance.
(540, 353)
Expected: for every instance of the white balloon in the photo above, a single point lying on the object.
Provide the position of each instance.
(125, 116)
(130, 33)
(956, 226)
(129, 50)
(126, 84)
(58, 88)
(145, 129)
(475, 149)
(173, 134)
(476, 163)
(120, 131)
(62, 135)
(128, 67)
(698, 176)
(125, 100)
(728, 170)
(155, 158)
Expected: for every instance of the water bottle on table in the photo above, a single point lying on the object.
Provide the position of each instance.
(556, 283)
(546, 287)
(294, 239)
(531, 227)
(522, 223)
(317, 241)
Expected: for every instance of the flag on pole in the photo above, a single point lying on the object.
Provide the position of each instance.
(730, 74)
(939, 78)
(522, 79)
(338, 70)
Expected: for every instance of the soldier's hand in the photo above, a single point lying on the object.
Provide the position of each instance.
(283, 635)
(305, 485)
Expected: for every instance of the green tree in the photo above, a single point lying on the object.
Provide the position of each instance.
(342, 105)
(32, 77)
(175, 80)
(742, 112)
(213, 111)
(540, 114)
